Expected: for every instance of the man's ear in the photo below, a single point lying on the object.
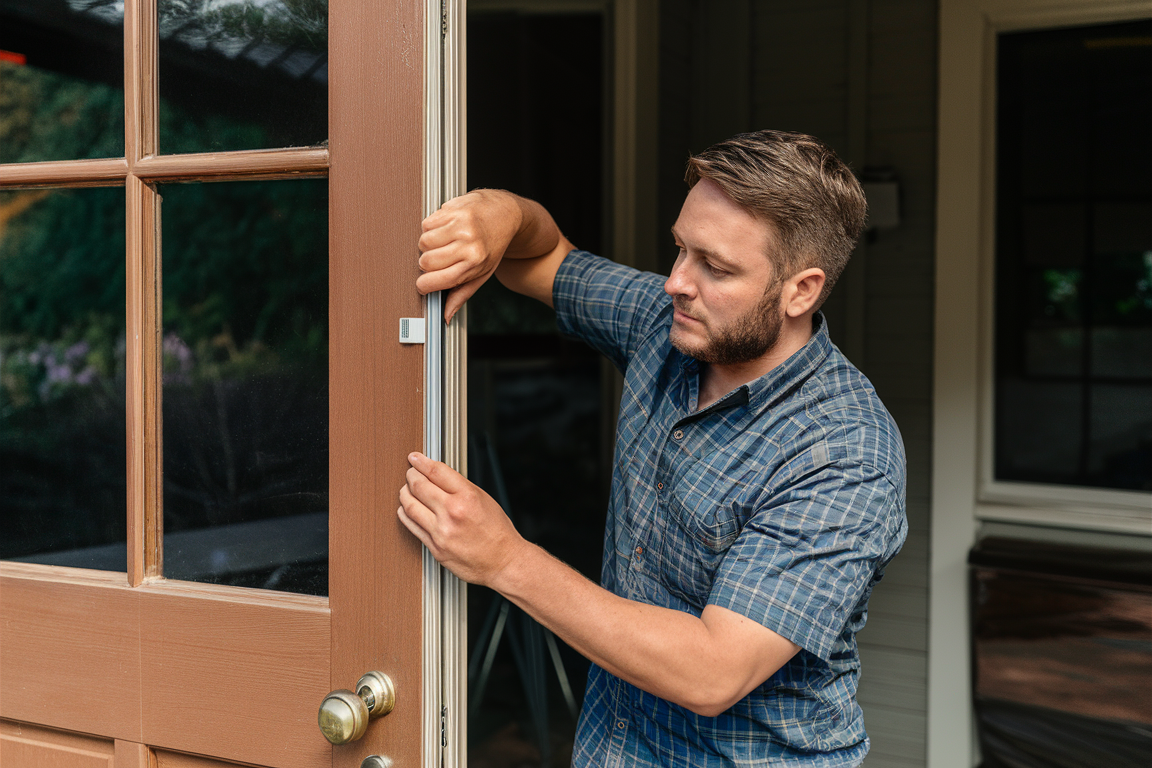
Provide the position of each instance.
(802, 291)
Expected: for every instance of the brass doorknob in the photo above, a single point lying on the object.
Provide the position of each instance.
(344, 715)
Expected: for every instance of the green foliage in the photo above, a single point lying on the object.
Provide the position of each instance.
(246, 269)
(48, 116)
(62, 292)
(244, 319)
(185, 133)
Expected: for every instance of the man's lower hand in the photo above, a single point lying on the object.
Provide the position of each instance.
(462, 526)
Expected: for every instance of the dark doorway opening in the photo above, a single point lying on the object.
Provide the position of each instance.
(536, 126)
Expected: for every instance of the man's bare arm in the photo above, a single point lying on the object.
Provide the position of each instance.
(484, 232)
(704, 663)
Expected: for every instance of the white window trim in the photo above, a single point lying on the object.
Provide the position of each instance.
(962, 492)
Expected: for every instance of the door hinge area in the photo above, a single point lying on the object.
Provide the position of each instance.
(443, 727)
(443, 19)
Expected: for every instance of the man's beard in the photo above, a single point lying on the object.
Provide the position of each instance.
(745, 340)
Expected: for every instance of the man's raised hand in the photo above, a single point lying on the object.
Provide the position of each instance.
(463, 243)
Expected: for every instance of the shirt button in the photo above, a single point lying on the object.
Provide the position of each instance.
(678, 434)
(619, 723)
(639, 550)
(659, 486)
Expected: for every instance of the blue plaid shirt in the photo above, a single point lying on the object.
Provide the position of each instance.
(783, 502)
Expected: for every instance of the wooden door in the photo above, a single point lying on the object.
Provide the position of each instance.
(129, 669)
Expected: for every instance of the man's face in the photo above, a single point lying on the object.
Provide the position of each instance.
(726, 297)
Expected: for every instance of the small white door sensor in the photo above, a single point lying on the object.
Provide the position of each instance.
(411, 330)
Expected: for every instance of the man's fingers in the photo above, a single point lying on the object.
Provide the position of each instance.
(417, 511)
(436, 236)
(414, 528)
(428, 493)
(445, 279)
(460, 294)
(439, 473)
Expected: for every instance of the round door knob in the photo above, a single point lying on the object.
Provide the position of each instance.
(344, 715)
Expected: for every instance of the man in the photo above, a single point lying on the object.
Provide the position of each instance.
(758, 482)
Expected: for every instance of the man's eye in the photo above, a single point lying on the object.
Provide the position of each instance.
(715, 270)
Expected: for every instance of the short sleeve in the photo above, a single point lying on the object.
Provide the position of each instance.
(608, 305)
(803, 562)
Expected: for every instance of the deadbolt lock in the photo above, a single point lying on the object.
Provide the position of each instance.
(344, 715)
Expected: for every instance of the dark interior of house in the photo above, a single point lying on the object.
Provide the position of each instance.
(536, 126)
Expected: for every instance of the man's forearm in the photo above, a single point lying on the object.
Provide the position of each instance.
(534, 256)
(469, 237)
(705, 663)
(537, 234)
(674, 655)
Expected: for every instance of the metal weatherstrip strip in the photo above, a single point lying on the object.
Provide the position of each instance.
(454, 602)
(431, 749)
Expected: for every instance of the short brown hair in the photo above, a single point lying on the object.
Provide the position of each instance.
(797, 184)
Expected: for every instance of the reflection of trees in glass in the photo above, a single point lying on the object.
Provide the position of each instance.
(62, 464)
(295, 23)
(62, 288)
(61, 104)
(246, 325)
(1062, 294)
(244, 74)
(206, 132)
(1124, 292)
(49, 116)
(245, 313)
(245, 269)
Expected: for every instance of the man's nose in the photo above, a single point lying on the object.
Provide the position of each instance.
(677, 283)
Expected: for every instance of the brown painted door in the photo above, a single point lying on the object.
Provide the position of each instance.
(128, 668)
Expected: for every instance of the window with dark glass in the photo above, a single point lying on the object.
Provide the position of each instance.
(1073, 295)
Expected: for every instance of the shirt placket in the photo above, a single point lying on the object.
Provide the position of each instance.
(620, 712)
(644, 535)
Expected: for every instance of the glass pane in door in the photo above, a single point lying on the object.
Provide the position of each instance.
(242, 74)
(62, 455)
(245, 392)
(61, 80)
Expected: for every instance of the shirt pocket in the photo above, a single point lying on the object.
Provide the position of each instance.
(705, 504)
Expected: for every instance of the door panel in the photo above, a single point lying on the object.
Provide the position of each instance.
(212, 670)
(184, 674)
(178, 760)
(72, 627)
(31, 747)
(225, 673)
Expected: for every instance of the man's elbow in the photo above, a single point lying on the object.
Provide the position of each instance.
(713, 699)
